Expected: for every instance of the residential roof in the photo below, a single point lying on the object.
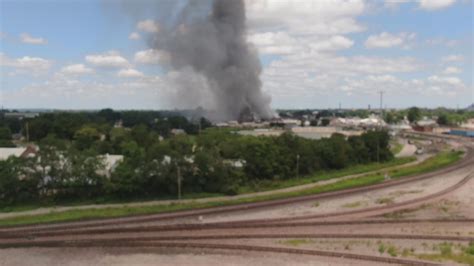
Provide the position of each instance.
(7, 152)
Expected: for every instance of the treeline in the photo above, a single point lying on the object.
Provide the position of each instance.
(214, 161)
(68, 125)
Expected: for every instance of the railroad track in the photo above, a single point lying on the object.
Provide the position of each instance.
(225, 225)
(31, 242)
(467, 161)
(237, 247)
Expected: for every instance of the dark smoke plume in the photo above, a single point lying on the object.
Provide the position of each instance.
(213, 44)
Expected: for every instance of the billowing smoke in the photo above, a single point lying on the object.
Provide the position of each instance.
(212, 43)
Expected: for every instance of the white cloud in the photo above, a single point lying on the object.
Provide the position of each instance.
(452, 81)
(26, 38)
(63, 92)
(108, 59)
(305, 17)
(453, 58)
(130, 73)
(134, 36)
(336, 42)
(283, 44)
(443, 41)
(148, 26)
(452, 70)
(387, 40)
(35, 64)
(151, 56)
(76, 69)
(435, 4)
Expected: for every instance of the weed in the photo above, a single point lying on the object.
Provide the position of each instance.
(392, 250)
(381, 248)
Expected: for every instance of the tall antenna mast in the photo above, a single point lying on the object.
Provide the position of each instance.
(381, 102)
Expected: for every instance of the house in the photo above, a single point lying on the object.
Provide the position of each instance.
(468, 124)
(425, 125)
(177, 131)
(22, 152)
(237, 163)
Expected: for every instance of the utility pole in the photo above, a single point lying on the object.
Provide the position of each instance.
(378, 150)
(200, 126)
(27, 132)
(297, 165)
(178, 177)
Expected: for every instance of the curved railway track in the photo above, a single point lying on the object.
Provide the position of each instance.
(226, 225)
(238, 247)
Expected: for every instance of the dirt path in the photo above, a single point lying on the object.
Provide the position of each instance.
(407, 150)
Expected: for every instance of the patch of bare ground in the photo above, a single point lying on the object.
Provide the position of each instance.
(454, 205)
(158, 256)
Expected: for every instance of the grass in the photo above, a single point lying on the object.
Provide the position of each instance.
(384, 201)
(464, 255)
(297, 242)
(324, 175)
(396, 147)
(352, 204)
(381, 248)
(433, 163)
(392, 251)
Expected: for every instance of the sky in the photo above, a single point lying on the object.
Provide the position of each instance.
(92, 54)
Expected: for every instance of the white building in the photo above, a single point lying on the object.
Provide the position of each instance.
(24, 152)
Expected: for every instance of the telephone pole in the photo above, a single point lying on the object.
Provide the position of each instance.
(178, 177)
(297, 165)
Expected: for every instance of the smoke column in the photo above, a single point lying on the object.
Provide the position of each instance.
(213, 44)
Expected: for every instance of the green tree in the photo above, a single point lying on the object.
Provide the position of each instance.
(85, 137)
(5, 133)
(443, 120)
(414, 114)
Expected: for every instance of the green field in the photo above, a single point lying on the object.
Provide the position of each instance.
(436, 162)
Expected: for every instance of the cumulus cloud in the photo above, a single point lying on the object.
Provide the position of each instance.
(435, 4)
(305, 17)
(148, 26)
(63, 92)
(108, 59)
(387, 40)
(76, 69)
(453, 58)
(34, 64)
(134, 36)
(26, 38)
(451, 70)
(281, 43)
(130, 73)
(151, 56)
(453, 81)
